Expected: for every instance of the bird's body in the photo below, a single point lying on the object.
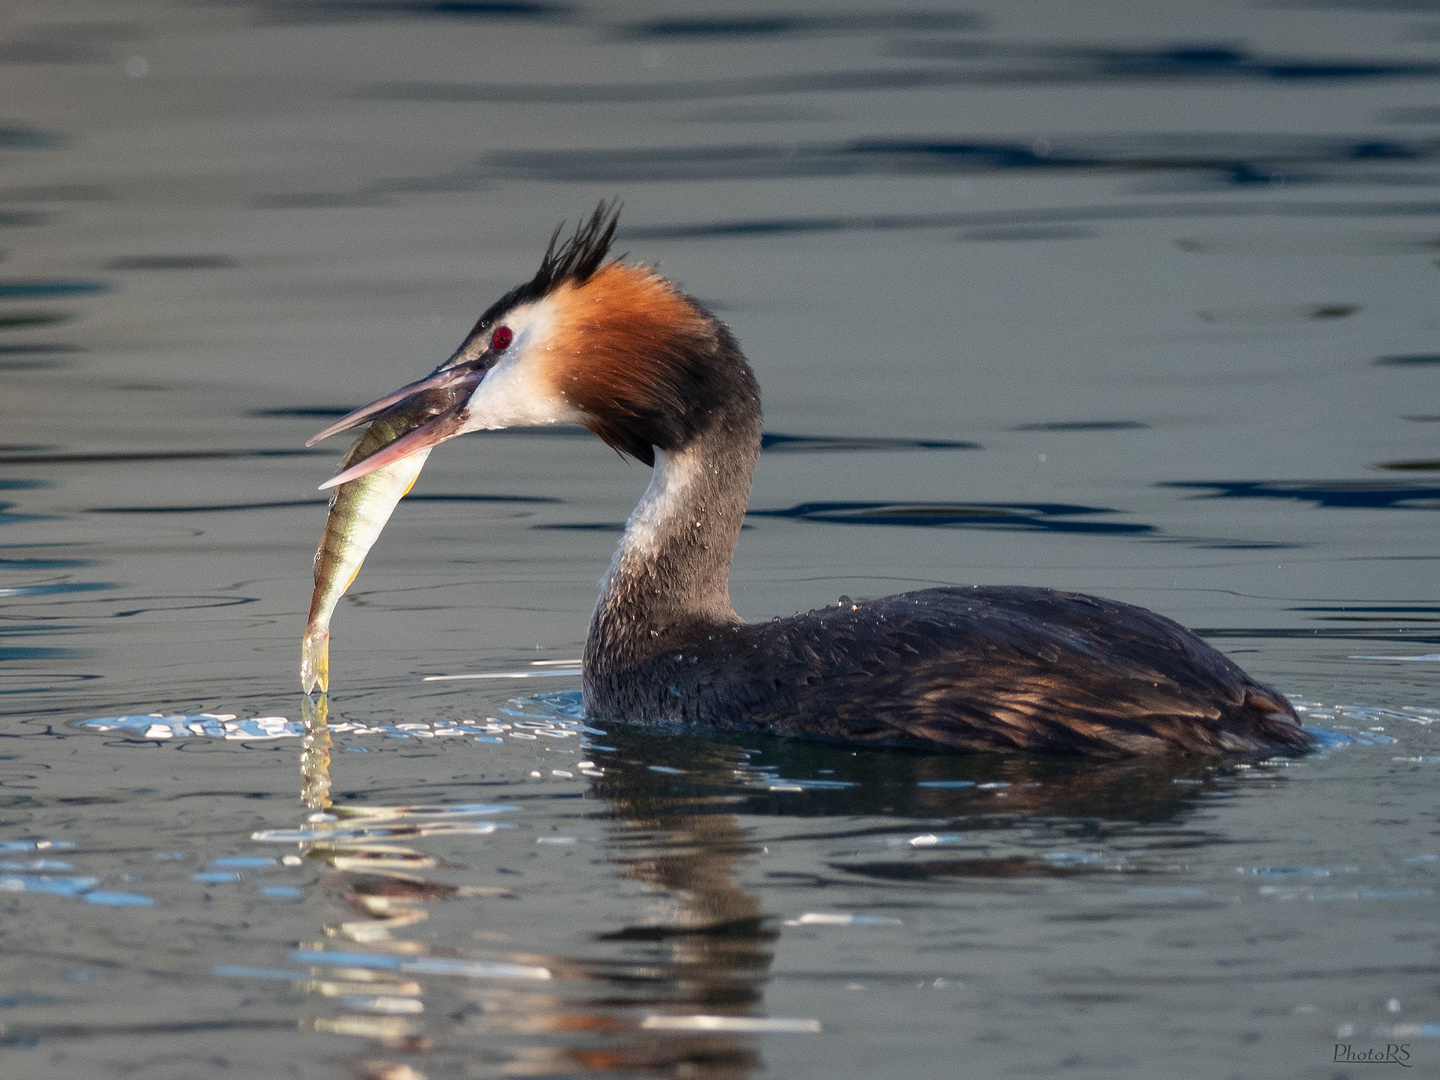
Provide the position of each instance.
(980, 669)
(623, 351)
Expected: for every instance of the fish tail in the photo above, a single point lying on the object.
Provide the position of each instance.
(315, 661)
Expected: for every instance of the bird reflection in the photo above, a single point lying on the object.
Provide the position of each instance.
(711, 939)
(677, 989)
(677, 1001)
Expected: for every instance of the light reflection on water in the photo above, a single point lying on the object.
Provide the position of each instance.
(1166, 280)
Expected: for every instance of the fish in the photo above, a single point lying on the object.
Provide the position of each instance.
(359, 510)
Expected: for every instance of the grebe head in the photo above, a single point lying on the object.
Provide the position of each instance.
(603, 343)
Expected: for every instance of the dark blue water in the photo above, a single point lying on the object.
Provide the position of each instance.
(1135, 301)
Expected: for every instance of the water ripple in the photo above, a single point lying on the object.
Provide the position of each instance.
(1339, 494)
(790, 24)
(1040, 517)
(1235, 161)
(1008, 66)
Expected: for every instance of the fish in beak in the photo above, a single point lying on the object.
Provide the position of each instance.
(435, 408)
(376, 473)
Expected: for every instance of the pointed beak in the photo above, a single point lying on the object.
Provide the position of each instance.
(433, 408)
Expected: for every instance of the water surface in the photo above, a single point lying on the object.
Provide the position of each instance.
(1136, 301)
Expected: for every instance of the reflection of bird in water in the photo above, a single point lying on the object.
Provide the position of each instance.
(624, 352)
(696, 976)
(675, 985)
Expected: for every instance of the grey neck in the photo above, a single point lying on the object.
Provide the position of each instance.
(670, 577)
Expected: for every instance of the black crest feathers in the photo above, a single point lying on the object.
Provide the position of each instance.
(579, 256)
(575, 261)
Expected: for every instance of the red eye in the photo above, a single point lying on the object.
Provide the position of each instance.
(501, 338)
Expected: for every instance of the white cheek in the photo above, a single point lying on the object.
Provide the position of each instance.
(514, 395)
(516, 392)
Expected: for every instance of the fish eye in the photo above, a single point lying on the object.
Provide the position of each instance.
(501, 338)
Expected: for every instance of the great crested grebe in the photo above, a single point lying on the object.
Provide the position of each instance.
(626, 353)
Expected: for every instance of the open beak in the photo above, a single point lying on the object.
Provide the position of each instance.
(434, 406)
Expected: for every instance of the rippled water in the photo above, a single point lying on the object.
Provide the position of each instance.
(1133, 300)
